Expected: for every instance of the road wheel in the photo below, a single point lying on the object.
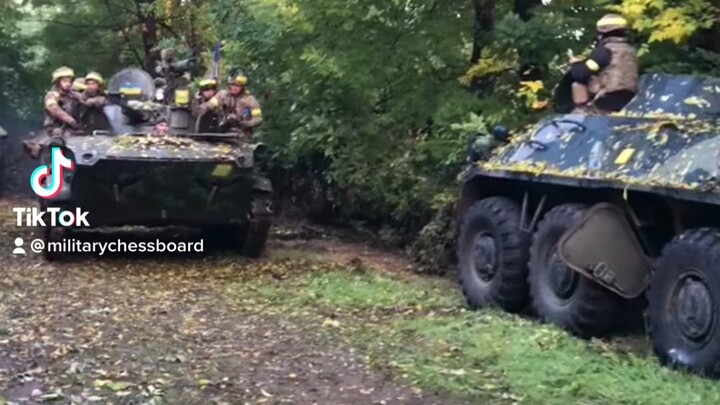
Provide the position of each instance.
(559, 294)
(492, 255)
(254, 236)
(683, 303)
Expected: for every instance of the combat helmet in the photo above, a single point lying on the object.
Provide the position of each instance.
(238, 78)
(96, 77)
(208, 83)
(611, 22)
(62, 72)
(79, 84)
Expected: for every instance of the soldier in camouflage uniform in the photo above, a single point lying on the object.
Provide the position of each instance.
(94, 96)
(607, 80)
(241, 110)
(208, 89)
(60, 112)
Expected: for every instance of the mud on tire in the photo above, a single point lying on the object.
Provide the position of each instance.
(683, 319)
(492, 255)
(559, 294)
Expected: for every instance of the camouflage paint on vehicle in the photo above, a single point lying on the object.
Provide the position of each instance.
(665, 140)
(186, 178)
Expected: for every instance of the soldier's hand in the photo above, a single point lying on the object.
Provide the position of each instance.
(73, 124)
(231, 118)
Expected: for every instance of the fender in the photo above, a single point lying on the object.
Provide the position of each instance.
(604, 248)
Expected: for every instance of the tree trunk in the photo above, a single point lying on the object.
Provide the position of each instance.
(148, 31)
(523, 7)
(484, 24)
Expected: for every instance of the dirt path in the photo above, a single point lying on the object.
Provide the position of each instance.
(157, 330)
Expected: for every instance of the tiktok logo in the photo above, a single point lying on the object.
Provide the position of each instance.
(58, 162)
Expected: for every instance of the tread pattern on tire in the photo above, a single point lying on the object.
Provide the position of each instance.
(593, 310)
(694, 242)
(509, 288)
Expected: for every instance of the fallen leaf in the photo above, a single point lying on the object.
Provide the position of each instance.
(331, 323)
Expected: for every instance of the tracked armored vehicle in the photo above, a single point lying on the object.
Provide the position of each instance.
(582, 218)
(197, 176)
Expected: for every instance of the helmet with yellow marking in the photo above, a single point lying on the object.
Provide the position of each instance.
(209, 83)
(238, 78)
(611, 22)
(62, 72)
(96, 77)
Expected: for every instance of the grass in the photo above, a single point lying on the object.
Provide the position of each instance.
(419, 331)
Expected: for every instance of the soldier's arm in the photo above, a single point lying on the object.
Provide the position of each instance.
(599, 59)
(211, 104)
(255, 113)
(97, 101)
(52, 107)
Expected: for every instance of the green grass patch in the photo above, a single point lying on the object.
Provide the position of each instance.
(424, 336)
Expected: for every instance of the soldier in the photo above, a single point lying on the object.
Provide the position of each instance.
(162, 127)
(208, 89)
(79, 85)
(94, 96)
(241, 110)
(60, 110)
(607, 80)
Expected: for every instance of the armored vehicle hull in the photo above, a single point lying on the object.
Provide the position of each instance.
(582, 218)
(124, 175)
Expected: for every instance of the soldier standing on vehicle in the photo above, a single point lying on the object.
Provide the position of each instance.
(241, 110)
(208, 89)
(607, 80)
(60, 110)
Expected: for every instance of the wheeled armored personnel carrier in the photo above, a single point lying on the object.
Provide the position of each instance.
(582, 217)
(195, 176)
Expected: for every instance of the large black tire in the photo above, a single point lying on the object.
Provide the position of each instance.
(254, 236)
(683, 319)
(492, 255)
(559, 294)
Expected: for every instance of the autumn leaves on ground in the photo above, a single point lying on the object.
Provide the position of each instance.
(318, 320)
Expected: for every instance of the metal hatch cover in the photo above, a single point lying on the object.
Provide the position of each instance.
(604, 247)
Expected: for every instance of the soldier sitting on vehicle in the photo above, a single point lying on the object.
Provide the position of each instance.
(607, 80)
(79, 84)
(60, 111)
(241, 110)
(94, 96)
(208, 89)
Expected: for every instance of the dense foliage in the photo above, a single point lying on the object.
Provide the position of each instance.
(368, 103)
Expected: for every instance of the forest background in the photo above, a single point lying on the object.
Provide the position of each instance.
(367, 104)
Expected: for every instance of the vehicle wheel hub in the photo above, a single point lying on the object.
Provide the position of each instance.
(563, 280)
(484, 256)
(694, 308)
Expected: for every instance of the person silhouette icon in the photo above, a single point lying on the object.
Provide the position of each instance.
(18, 247)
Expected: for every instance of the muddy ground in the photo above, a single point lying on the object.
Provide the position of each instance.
(151, 330)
